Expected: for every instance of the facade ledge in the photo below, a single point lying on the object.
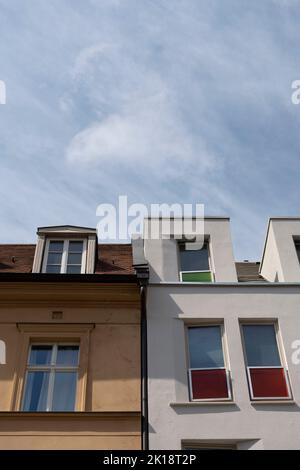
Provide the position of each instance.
(70, 415)
(211, 285)
(201, 403)
(272, 402)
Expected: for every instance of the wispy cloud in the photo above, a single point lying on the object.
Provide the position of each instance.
(138, 124)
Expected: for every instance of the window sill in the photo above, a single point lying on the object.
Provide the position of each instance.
(273, 402)
(202, 403)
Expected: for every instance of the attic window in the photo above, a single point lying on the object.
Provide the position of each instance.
(194, 263)
(67, 256)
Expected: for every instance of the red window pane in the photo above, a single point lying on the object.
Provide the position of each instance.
(269, 383)
(209, 384)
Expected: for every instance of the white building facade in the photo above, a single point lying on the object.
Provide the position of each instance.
(223, 366)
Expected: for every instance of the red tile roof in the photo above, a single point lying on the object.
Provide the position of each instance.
(112, 259)
(16, 258)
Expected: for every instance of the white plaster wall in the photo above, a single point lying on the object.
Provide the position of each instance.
(271, 268)
(268, 426)
(280, 253)
(163, 255)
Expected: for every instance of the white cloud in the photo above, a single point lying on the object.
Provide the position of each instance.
(139, 125)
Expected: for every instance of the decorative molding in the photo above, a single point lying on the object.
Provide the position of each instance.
(66, 229)
(55, 327)
(70, 415)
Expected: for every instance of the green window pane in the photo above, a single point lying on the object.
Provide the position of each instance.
(196, 277)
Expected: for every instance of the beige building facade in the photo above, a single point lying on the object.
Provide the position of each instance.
(71, 377)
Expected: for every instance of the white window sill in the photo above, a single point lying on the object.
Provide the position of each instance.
(203, 403)
(273, 402)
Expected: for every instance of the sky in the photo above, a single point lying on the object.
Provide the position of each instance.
(165, 101)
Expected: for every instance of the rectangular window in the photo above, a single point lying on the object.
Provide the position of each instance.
(51, 377)
(194, 263)
(65, 256)
(208, 376)
(267, 377)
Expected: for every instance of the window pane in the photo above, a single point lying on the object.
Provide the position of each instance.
(75, 247)
(54, 258)
(67, 355)
(56, 246)
(194, 260)
(205, 346)
(74, 258)
(40, 355)
(261, 345)
(269, 383)
(64, 391)
(196, 277)
(208, 384)
(297, 245)
(53, 268)
(73, 269)
(36, 391)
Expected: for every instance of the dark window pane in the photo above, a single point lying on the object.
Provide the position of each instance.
(67, 355)
(75, 247)
(56, 246)
(205, 346)
(40, 355)
(297, 245)
(269, 383)
(194, 260)
(73, 269)
(54, 258)
(64, 392)
(208, 384)
(261, 345)
(74, 258)
(36, 391)
(53, 268)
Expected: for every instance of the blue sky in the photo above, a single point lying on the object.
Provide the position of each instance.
(162, 100)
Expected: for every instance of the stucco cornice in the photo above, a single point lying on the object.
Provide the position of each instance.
(70, 415)
(68, 294)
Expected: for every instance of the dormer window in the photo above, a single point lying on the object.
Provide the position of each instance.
(65, 256)
(194, 263)
(65, 249)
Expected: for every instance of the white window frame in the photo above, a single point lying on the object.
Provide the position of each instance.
(64, 260)
(283, 364)
(52, 368)
(199, 270)
(225, 367)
